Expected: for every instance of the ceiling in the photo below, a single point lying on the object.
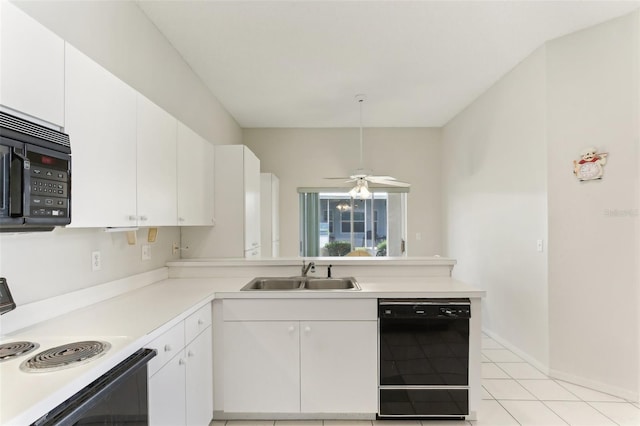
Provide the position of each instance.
(300, 63)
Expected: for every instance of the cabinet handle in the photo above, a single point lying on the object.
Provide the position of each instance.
(143, 218)
(307, 329)
(181, 219)
(133, 218)
(291, 329)
(190, 354)
(167, 348)
(181, 361)
(200, 322)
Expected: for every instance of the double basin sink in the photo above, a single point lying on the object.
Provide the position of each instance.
(301, 283)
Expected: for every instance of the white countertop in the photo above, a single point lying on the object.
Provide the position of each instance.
(131, 320)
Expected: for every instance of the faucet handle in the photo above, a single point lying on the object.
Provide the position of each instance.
(329, 271)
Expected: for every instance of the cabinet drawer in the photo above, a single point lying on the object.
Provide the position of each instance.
(168, 345)
(197, 322)
(299, 309)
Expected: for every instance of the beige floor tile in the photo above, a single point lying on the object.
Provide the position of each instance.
(578, 413)
(489, 343)
(501, 355)
(250, 422)
(298, 423)
(491, 413)
(532, 413)
(587, 394)
(521, 370)
(548, 390)
(506, 389)
(623, 413)
(492, 371)
(348, 423)
(486, 394)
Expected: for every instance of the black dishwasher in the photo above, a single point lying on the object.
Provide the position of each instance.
(424, 358)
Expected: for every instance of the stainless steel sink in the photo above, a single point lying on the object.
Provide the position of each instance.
(275, 283)
(300, 283)
(349, 283)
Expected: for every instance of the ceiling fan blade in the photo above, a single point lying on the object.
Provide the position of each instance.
(374, 178)
(342, 178)
(393, 182)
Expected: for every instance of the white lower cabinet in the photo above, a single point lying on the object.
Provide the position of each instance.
(312, 356)
(180, 376)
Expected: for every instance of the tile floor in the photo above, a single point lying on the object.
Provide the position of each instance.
(513, 393)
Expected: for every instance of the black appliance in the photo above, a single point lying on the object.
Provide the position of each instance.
(35, 166)
(424, 358)
(6, 300)
(119, 397)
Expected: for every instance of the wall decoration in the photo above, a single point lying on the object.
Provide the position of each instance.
(590, 165)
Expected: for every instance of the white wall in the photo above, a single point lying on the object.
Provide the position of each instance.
(494, 186)
(303, 157)
(508, 167)
(119, 37)
(593, 79)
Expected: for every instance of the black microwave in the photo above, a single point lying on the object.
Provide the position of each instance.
(35, 166)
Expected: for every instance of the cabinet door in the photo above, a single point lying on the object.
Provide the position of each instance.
(167, 402)
(261, 367)
(338, 366)
(199, 390)
(195, 178)
(156, 172)
(101, 122)
(31, 66)
(251, 200)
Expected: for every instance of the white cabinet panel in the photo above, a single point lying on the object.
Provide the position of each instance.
(181, 376)
(269, 214)
(156, 172)
(338, 367)
(195, 179)
(199, 380)
(261, 367)
(167, 402)
(101, 123)
(251, 200)
(31, 66)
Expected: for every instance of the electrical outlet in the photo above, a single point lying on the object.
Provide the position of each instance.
(96, 261)
(146, 252)
(540, 246)
(175, 249)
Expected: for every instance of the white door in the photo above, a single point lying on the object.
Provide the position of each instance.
(195, 178)
(167, 403)
(199, 390)
(338, 366)
(31, 66)
(156, 176)
(261, 367)
(101, 122)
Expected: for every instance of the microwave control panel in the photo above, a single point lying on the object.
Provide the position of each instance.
(49, 182)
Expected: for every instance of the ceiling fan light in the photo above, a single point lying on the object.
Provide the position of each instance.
(354, 192)
(364, 192)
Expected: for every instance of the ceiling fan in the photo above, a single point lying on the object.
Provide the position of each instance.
(363, 177)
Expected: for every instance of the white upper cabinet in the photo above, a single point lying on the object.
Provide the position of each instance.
(31, 66)
(156, 172)
(195, 179)
(101, 122)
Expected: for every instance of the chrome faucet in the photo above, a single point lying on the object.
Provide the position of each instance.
(305, 268)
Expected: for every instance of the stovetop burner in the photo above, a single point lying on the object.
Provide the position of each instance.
(12, 350)
(65, 356)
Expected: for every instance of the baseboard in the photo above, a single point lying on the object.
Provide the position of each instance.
(555, 374)
(595, 385)
(525, 356)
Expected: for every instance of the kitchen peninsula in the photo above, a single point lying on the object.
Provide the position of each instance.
(143, 310)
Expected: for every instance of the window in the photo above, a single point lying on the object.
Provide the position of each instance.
(334, 224)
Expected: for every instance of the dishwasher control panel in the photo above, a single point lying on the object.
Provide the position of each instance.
(424, 308)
